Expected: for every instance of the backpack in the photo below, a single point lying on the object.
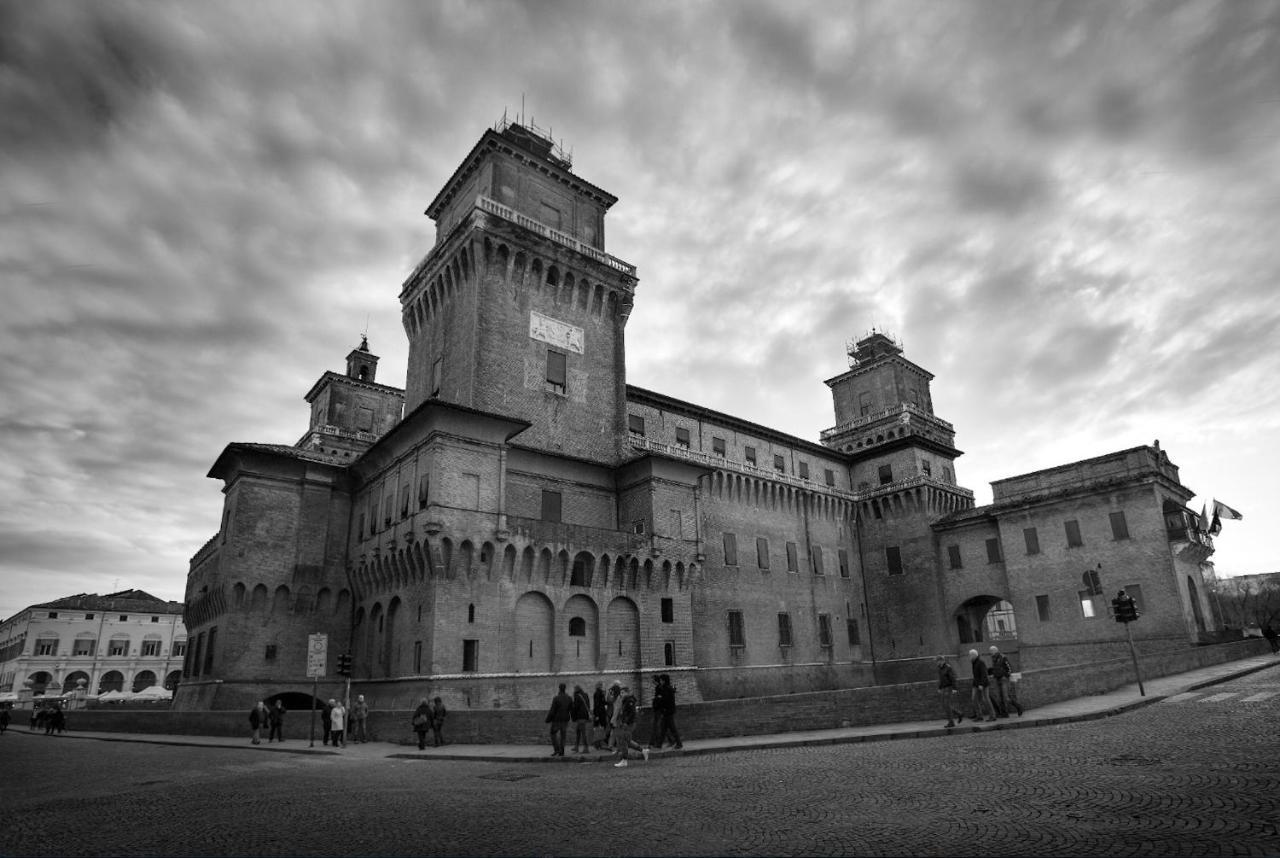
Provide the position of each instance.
(628, 710)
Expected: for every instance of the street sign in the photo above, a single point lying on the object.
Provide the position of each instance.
(317, 655)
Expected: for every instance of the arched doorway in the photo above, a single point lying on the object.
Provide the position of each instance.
(985, 618)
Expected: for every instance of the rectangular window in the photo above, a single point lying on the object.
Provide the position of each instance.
(737, 632)
(470, 656)
(762, 552)
(804, 470)
(557, 372)
(637, 526)
(1119, 527)
(124, 618)
(53, 615)
(946, 474)
(730, 549)
(793, 558)
(886, 474)
(1073, 534)
(424, 487)
(151, 648)
(668, 611)
(953, 556)
(893, 556)
(926, 467)
(864, 404)
(784, 630)
(635, 424)
(824, 631)
(682, 437)
(118, 647)
(852, 626)
(993, 551)
(404, 502)
(817, 560)
(83, 646)
(417, 657)
(179, 648)
(669, 653)
(717, 446)
(88, 616)
(751, 455)
(551, 506)
(779, 464)
(1032, 539)
(388, 506)
(47, 647)
(829, 476)
(1042, 608)
(270, 654)
(1086, 604)
(844, 563)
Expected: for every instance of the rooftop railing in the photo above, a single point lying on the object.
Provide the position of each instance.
(507, 213)
(900, 408)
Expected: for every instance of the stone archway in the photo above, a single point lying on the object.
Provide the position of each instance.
(985, 618)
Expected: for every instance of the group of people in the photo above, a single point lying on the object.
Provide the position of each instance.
(334, 719)
(271, 717)
(607, 720)
(429, 715)
(985, 706)
(51, 719)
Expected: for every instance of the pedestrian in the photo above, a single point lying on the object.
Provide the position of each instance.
(624, 723)
(559, 716)
(275, 718)
(667, 724)
(600, 717)
(1273, 637)
(1002, 678)
(438, 713)
(947, 691)
(422, 723)
(655, 707)
(258, 719)
(359, 715)
(326, 720)
(615, 691)
(337, 723)
(4, 719)
(581, 720)
(981, 694)
(59, 718)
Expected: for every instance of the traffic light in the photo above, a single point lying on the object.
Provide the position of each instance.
(1124, 608)
(344, 664)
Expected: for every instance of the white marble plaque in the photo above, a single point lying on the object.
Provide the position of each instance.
(555, 332)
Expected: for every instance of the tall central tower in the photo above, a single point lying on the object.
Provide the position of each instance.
(517, 309)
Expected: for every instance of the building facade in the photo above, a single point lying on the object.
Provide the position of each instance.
(519, 512)
(90, 644)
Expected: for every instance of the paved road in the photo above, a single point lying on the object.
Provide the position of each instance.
(1198, 774)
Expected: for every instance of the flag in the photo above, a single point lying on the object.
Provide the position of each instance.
(1221, 509)
(1216, 527)
(1203, 524)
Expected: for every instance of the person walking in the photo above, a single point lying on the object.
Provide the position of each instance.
(337, 723)
(258, 719)
(1273, 637)
(359, 715)
(581, 720)
(600, 717)
(1002, 678)
(981, 694)
(624, 723)
(326, 720)
(438, 713)
(947, 691)
(664, 704)
(275, 718)
(559, 716)
(422, 723)
(4, 719)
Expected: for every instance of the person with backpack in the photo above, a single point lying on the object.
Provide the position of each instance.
(581, 720)
(628, 709)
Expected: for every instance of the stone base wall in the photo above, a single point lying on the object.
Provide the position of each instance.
(913, 701)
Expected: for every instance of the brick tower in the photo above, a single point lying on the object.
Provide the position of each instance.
(517, 309)
(903, 469)
(349, 412)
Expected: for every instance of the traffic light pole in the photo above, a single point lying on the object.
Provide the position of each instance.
(315, 689)
(1134, 654)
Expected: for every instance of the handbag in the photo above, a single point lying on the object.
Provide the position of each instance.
(420, 720)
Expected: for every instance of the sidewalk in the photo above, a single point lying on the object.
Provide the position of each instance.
(1063, 712)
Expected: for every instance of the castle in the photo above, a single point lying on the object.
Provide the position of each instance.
(520, 516)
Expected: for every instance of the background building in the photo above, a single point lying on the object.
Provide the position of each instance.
(124, 641)
(532, 515)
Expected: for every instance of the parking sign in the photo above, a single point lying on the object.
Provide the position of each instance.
(317, 655)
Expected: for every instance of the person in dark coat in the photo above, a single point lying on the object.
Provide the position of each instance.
(600, 717)
(1273, 637)
(581, 720)
(947, 691)
(1006, 696)
(438, 713)
(276, 719)
(664, 704)
(257, 720)
(981, 692)
(559, 716)
(4, 718)
(422, 723)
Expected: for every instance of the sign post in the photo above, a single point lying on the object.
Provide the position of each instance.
(317, 660)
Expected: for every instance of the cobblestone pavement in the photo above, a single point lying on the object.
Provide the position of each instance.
(1198, 774)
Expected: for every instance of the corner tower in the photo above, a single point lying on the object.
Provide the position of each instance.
(517, 309)
(350, 412)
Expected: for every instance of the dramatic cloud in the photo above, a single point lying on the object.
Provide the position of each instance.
(1066, 210)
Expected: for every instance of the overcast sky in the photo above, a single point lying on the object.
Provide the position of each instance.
(1066, 211)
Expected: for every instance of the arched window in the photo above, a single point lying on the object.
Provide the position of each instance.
(577, 627)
